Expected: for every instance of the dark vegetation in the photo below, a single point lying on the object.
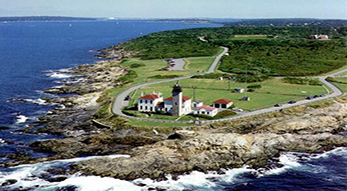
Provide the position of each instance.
(332, 79)
(288, 22)
(128, 78)
(213, 76)
(254, 86)
(287, 50)
(292, 57)
(170, 44)
(249, 78)
(164, 76)
(302, 81)
(137, 65)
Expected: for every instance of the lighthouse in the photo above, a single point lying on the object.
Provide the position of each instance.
(177, 96)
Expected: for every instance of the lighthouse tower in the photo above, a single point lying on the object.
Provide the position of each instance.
(177, 100)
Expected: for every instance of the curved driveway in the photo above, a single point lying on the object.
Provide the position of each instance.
(119, 102)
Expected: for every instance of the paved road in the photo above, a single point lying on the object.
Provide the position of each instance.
(119, 102)
(215, 62)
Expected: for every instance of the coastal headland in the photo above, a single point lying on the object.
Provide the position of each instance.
(90, 126)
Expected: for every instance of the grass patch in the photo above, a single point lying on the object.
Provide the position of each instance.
(198, 64)
(208, 90)
(302, 81)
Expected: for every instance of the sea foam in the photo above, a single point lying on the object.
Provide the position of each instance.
(21, 119)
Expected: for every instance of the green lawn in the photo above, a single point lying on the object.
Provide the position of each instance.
(273, 91)
(343, 85)
(198, 64)
(334, 71)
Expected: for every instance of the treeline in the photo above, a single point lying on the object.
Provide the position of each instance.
(287, 51)
(170, 44)
(289, 22)
(284, 57)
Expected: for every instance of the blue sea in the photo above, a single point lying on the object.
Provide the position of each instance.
(33, 57)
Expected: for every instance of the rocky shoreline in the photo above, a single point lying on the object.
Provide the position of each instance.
(252, 141)
(229, 145)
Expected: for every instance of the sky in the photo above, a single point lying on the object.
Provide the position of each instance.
(324, 9)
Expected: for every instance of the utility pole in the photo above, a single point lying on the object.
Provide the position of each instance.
(229, 79)
(194, 88)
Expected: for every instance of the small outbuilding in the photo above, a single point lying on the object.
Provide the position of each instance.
(223, 103)
(239, 90)
(206, 110)
(246, 99)
(197, 104)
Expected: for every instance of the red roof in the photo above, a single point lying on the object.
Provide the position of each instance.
(208, 108)
(184, 99)
(223, 101)
(150, 97)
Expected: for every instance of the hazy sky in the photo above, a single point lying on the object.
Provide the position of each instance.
(178, 8)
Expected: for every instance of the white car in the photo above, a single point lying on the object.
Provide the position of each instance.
(237, 110)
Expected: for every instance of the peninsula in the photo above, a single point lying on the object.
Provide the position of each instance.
(283, 91)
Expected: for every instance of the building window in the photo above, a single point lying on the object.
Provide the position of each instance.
(140, 107)
(145, 107)
(140, 101)
(150, 101)
(145, 101)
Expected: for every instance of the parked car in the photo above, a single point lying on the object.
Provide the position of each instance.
(310, 97)
(316, 96)
(292, 102)
(127, 98)
(237, 109)
(322, 95)
(278, 105)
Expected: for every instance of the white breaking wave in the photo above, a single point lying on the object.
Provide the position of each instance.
(2, 141)
(38, 101)
(58, 75)
(338, 151)
(196, 180)
(21, 119)
(289, 161)
(27, 176)
(192, 181)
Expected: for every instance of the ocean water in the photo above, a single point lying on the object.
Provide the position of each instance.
(34, 55)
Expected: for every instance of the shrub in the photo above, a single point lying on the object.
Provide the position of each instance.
(164, 76)
(302, 81)
(137, 65)
(128, 78)
(254, 86)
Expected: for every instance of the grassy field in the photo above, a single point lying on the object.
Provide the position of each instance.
(273, 91)
(198, 64)
(342, 85)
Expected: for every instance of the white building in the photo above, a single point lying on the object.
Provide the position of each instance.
(149, 103)
(206, 110)
(196, 104)
(185, 108)
(176, 105)
(223, 103)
